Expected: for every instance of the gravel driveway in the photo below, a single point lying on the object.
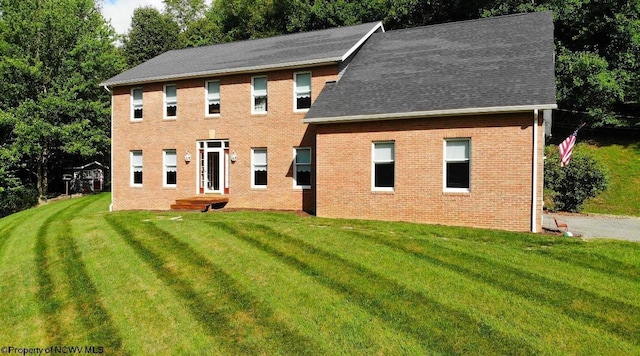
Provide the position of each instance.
(597, 226)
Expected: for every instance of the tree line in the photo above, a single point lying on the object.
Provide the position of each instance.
(54, 54)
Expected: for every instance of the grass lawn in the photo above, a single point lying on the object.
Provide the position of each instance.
(275, 283)
(622, 159)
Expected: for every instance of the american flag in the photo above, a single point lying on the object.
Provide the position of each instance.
(566, 147)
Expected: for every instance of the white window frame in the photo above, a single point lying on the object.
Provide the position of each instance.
(373, 166)
(296, 164)
(210, 98)
(167, 166)
(296, 91)
(137, 103)
(254, 165)
(167, 102)
(254, 95)
(445, 161)
(134, 167)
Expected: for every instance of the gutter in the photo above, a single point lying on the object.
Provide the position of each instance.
(111, 158)
(534, 180)
(430, 113)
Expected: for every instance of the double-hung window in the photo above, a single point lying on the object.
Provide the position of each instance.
(136, 104)
(170, 101)
(213, 98)
(302, 91)
(136, 168)
(259, 95)
(383, 177)
(259, 168)
(170, 168)
(457, 165)
(302, 168)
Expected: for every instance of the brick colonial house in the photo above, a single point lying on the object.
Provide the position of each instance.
(438, 124)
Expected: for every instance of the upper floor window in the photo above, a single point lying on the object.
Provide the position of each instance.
(259, 95)
(457, 165)
(302, 168)
(136, 104)
(170, 168)
(213, 98)
(383, 177)
(259, 168)
(170, 100)
(136, 168)
(302, 91)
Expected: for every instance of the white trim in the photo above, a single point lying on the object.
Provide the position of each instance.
(253, 111)
(133, 103)
(362, 40)
(295, 167)
(131, 169)
(164, 101)
(446, 189)
(534, 189)
(206, 97)
(431, 113)
(295, 90)
(253, 185)
(373, 167)
(165, 170)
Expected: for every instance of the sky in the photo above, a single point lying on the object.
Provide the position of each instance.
(119, 12)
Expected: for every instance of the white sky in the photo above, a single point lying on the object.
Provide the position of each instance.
(119, 12)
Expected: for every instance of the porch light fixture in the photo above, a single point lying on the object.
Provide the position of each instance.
(187, 157)
(234, 156)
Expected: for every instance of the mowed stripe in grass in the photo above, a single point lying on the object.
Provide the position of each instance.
(275, 283)
(239, 320)
(68, 298)
(620, 318)
(437, 326)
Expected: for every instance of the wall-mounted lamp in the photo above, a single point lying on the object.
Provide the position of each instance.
(234, 156)
(187, 157)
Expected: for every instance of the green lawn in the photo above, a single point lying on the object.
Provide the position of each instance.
(622, 159)
(275, 283)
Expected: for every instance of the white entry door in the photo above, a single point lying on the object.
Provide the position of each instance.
(213, 167)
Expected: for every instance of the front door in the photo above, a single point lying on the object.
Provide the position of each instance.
(213, 167)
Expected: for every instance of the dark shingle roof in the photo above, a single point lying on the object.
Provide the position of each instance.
(300, 49)
(462, 67)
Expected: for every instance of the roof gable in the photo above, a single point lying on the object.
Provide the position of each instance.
(300, 49)
(485, 65)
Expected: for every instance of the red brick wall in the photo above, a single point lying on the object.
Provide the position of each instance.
(501, 171)
(279, 130)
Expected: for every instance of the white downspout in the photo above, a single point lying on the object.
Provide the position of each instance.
(111, 159)
(534, 185)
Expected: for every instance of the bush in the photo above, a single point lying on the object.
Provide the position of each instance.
(583, 178)
(17, 199)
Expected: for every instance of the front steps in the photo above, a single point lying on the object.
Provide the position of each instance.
(201, 203)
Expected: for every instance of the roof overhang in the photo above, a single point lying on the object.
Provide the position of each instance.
(240, 70)
(432, 113)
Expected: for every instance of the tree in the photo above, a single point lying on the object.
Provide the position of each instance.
(152, 33)
(185, 12)
(56, 54)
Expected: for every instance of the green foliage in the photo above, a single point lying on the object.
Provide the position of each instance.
(583, 178)
(152, 33)
(56, 54)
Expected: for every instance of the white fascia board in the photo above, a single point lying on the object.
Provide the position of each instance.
(362, 40)
(228, 71)
(433, 113)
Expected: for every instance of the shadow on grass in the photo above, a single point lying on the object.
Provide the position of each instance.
(600, 312)
(434, 325)
(7, 231)
(217, 313)
(85, 298)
